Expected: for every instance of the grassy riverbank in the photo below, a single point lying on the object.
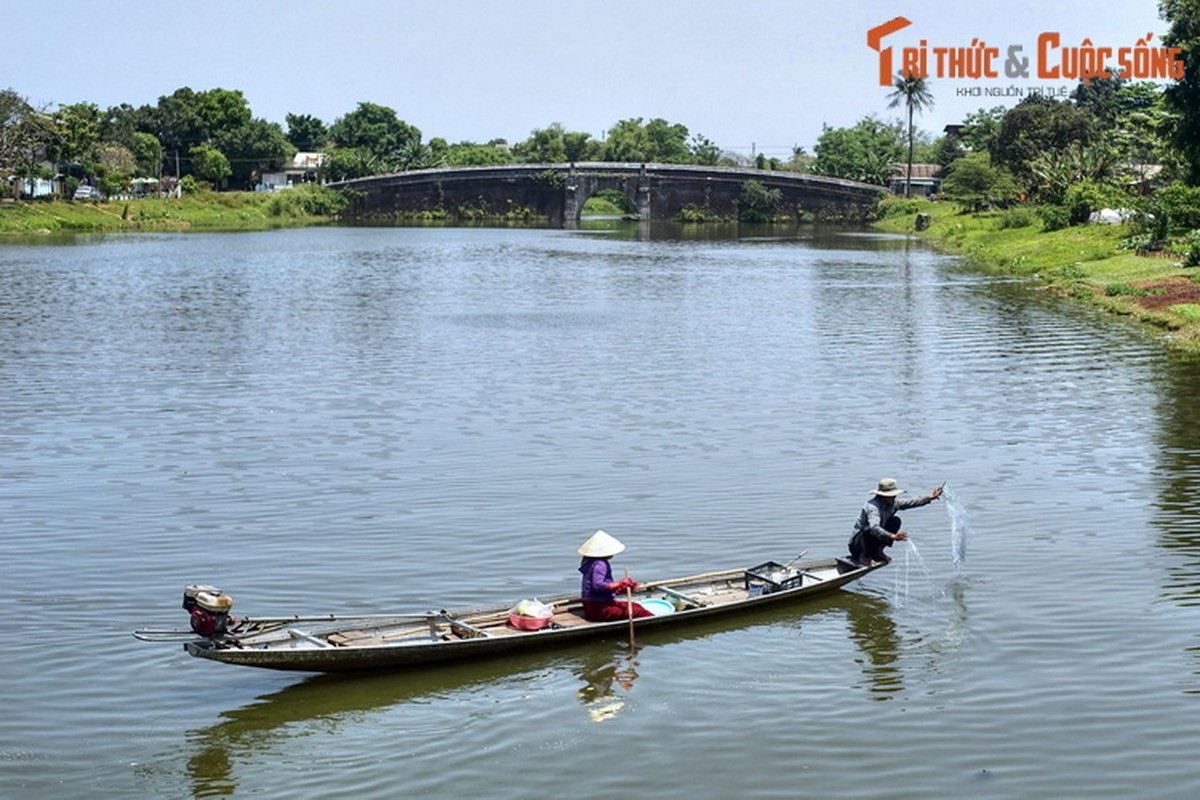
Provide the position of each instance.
(1094, 264)
(200, 211)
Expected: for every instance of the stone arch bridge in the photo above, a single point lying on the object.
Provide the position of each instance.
(557, 192)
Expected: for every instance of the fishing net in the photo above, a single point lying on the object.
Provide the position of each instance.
(960, 527)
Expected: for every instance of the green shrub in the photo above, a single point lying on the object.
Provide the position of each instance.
(694, 213)
(1189, 310)
(1123, 290)
(609, 201)
(306, 200)
(1136, 242)
(1072, 272)
(757, 203)
(1088, 196)
(1180, 204)
(1016, 218)
(1054, 217)
(898, 206)
(1193, 256)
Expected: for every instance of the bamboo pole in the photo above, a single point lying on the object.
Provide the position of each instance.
(334, 618)
(690, 578)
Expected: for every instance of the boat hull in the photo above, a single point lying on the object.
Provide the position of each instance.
(304, 652)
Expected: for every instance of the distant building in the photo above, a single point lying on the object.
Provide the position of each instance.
(1144, 178)
(35, 187)
(926, 179)
(303, 170)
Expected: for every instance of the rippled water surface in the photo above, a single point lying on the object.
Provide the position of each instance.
(350, 420)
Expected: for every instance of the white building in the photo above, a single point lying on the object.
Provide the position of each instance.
(303, 170)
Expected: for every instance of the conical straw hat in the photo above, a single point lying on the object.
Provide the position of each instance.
(601, 545)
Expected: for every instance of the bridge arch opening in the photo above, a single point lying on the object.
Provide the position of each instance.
(608, 203)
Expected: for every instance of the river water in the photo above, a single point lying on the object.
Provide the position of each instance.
(369, 419)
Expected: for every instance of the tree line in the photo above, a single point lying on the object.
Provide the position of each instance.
(1090, 149)
(211, 137)
(1113, 143)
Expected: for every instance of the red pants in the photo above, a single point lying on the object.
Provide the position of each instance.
(608, 612)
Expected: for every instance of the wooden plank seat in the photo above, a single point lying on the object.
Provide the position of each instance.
(569, 618)
(355, 639)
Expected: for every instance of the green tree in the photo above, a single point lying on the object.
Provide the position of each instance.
(801, 160)
(306, 132)
(913, 93)
(580, 146)
(175, 120)
(865, 152)
(221, 111)
(1146, 133)
(655, 141)
(627, 141)
(467, 154)
(147, 152)
(703, 151)
(114, 158)
(973, 181)
(77, 129)
(25, 135)
(254, 146)
(668, 142)
(344, 163)
(948, 149)
(544, 146)
(209, 164)
(1100, 97)
(981, 127)
(757, 203)
(384, 142)
(1039, 126)
(111, 183)
(1087, 196)
(187, 118)
(555, 145)
(120, 123)
(1133, 127)
(1184, 94)
(1052, 172)
(1179, 207)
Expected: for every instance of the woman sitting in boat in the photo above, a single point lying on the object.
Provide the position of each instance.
(600, 603)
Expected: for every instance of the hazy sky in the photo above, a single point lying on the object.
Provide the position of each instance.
(765, 74)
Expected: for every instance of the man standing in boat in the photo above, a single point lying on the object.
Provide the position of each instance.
(878, 526)
(598, 590)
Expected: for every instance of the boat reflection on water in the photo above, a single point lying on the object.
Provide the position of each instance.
(327, 701)
(873, 629)
(607, 681)
(607, 670)
(872, 626)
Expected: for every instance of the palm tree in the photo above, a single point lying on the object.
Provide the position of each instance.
(914, 94)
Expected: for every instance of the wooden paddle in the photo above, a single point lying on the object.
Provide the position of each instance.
(629, 608)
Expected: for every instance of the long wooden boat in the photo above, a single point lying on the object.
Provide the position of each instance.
(345, 643)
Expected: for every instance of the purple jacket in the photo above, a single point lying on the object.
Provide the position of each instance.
(597, 576)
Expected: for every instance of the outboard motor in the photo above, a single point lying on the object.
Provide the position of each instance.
(208, 609)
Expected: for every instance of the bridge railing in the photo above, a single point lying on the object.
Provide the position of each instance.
(609, 168)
